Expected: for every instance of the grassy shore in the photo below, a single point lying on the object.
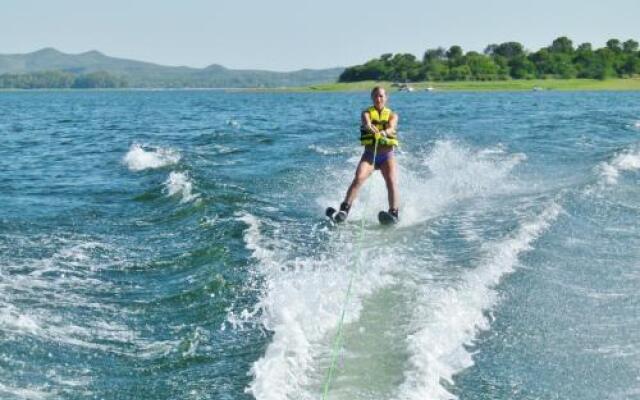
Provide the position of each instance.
(510, 85)
(627, 84)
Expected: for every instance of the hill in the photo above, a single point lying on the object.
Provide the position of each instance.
(149, 75)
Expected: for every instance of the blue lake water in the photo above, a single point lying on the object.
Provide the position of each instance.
(171, 245)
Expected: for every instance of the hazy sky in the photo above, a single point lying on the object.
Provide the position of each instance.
(286, 35)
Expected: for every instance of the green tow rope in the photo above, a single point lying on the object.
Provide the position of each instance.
(337, 342)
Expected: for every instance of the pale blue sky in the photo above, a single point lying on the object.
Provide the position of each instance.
(286, 35)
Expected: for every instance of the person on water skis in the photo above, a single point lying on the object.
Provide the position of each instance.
(378, 135)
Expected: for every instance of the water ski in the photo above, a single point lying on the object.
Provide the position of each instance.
(387, 219)
(334, 215)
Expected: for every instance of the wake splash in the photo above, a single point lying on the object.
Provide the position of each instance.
(448, 318)
(179, 183)
(451, 172)
(628, 160)
(302, 297)
(300, 303)
(139, 159)
(458, 173)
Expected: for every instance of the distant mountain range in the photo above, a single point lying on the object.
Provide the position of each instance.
(148, 75)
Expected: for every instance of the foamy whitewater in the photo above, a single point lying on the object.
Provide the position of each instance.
(139, 159)
(455, 174)
(172, 244)
(628, 160)
(179, 183)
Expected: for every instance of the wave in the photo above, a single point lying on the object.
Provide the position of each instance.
(628, 160)
(40, 289)
(27, 393)
(457, 173)
(179, 183)
(139, 159)
(302, 296)
(299, 304)
(447, 319)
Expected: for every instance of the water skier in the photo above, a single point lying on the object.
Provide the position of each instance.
(378, 135)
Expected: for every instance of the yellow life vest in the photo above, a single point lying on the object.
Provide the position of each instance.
(381, 121)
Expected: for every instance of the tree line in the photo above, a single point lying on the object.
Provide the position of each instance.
(503, 61)
(61, 80)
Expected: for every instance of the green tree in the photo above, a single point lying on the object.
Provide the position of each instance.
(510, 59)
(508, 50)
(405, 67)
(630, 46)
(631, 65)
(585, 47)
(386, 57)
(604, 64)
(563, 66)
(96, 80)
(432, 55)
(454, 56)
(459, 73)
(490, 49)
(521, 68)
(503, 67)
(614, 45)
(371, 70)
(543, 62)
(60, 80)
(482, 68)
(434, 64)
(584, 60)
(502, 61)
(562, 45)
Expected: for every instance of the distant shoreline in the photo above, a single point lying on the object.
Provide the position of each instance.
(615, 84)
